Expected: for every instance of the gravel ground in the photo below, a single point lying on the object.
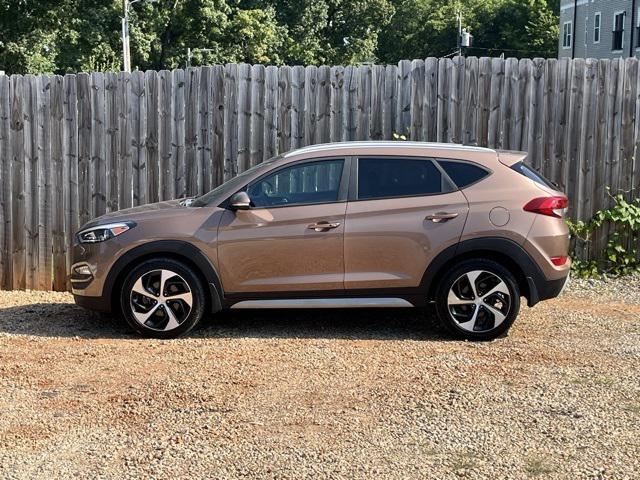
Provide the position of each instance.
(323, 394)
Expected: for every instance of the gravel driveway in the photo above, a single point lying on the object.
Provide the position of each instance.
(323, 394)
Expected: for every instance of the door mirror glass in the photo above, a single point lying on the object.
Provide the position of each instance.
(240, 201)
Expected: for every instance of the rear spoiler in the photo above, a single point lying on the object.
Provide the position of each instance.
(510, 157)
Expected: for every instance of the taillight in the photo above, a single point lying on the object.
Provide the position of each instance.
(551, 206)
(559, 261)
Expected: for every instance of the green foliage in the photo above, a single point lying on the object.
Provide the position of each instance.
(617, 258)
(59, 36)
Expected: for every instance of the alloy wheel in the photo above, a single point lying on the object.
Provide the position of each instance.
(161, 300)
(479, 301)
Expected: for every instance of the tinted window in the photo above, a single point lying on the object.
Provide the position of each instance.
(316, 182)
(398, 177)
(533, 175)
(463, 174)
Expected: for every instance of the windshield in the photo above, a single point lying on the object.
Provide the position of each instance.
(230, 186)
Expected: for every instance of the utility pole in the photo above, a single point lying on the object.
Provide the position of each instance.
(459, 17)
(126, 51)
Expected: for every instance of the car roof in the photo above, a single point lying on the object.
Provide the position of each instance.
(399, 146)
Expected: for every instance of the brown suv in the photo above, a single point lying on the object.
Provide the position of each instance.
(370, 224)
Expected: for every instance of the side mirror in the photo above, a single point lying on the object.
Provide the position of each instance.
(240, 201)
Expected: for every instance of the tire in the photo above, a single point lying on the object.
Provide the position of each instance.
(162, 298)
(482, 313)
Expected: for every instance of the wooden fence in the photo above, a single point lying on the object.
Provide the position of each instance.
(75, 147)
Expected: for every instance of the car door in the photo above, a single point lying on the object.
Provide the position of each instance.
(401, 213)
(292, 237)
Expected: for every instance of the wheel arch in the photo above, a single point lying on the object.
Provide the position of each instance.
(502, 250)
(181, 251)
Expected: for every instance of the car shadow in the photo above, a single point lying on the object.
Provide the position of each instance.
(69, 320)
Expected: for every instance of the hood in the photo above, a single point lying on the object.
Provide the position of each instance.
(138, 213)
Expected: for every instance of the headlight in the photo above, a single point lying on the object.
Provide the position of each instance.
(100, 233)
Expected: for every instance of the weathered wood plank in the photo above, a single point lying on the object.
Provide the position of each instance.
(403, 107)
(230, 121)
(484, 102)
(138, 108)
(310, 97)
(284, 109)
(244, 117)
(167, 170)
(31, 166)
(444, 70)
(6, 192)
(509, 94)
(364, 103)
(456, 99)
(152, 137)
(256, 143)
(495, 103)
(85, 162)
(192, 78)
(17, 136)
(125, 138)
(113, 136)
(430, 103)
(217, 124)
(178, 133)
(98, 146)
(470, 119)
(575, 127)
(71, 164)
(350, 104)
(390, 101)
(204, 131)
(536, 114)
(337, 94)
(297, 107)
(45, 205)
(417, 78)
(323, 106)
(58, 180)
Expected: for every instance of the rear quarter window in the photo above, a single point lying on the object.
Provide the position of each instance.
(531, 174)
(463, 174)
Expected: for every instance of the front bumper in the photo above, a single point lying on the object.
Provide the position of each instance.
(99, 304)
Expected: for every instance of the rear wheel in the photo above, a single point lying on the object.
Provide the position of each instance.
(478, 300)
(162, 298)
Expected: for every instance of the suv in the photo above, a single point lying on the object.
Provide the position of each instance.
(361, 224)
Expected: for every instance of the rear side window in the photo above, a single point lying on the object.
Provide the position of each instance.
(533, 175)
(399, 177)
(463, 174)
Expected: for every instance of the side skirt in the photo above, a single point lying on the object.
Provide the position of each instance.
(390, 302)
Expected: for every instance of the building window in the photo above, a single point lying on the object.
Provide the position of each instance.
(638, 29)
(618, 31)
(597, 23)
(567, 34)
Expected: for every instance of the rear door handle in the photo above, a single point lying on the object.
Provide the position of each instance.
(323, 226)
(441, 217)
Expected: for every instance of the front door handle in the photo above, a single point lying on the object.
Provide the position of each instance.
(441, 217)
(323, 226)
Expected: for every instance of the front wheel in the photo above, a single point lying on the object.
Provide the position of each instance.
(162, 298)
(478, 300)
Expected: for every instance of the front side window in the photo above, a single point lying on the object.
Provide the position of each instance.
(305, 183)
(618, 31)
(399, 177)
(597, 20)
(567, 34)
